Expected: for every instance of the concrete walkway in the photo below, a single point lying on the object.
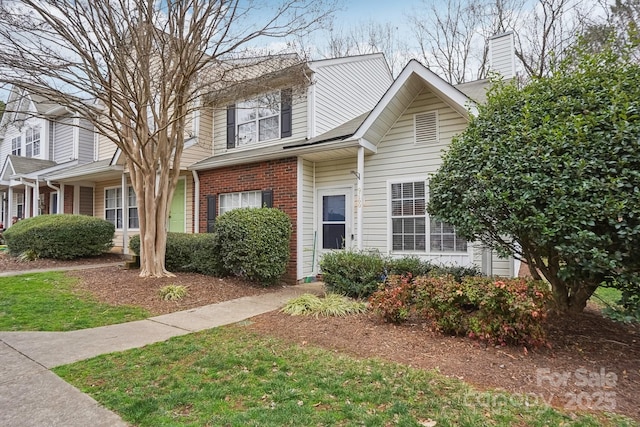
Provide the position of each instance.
(31, 395)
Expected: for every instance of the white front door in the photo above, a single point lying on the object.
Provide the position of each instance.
(334, 228)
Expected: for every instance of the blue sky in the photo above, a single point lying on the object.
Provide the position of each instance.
(355, 11)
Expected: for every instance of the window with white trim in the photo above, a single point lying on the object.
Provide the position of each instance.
(16, 146)
(32, 142)
(243, 199)
(258, 119)
(113, 206)
(411, 228)
(19, 205)
(132, 206)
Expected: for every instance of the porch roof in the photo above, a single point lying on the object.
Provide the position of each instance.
(18, 165)
(89, 171)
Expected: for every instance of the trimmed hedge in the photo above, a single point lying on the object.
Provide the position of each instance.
(352, 273)
(359, 274)
(193, 253)
(254, 243)
(60, 236)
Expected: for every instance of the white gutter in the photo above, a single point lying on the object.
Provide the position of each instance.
(196, 195)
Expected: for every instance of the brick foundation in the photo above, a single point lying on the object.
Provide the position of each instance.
(277, 175)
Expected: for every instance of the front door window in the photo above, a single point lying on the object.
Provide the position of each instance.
(334, 221)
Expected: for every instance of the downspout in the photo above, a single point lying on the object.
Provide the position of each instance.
(196, 195)
(360, 202)
(57, 190)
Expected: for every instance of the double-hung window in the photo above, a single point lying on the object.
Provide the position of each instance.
(113, 206)
(244, 199)
(16, 146)
(32, 142)
(412, 230)
(134, 221)
(258, 119)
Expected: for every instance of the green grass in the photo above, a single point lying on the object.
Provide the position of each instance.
(606, 297)
(232, 377)
(48, 302)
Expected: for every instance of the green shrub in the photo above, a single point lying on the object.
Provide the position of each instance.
(502, 311)
(409, 265)
(194, 253)
(254, 243)
(61, 236)
(351, 273)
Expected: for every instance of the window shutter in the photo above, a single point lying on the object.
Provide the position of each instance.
(426, 127)
(211, 213)
(267, 199)
(231, 126)
(286, 99)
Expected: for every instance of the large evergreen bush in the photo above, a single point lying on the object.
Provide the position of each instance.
(61, 236)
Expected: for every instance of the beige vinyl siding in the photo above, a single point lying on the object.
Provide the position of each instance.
(106, 148)
(298, 125)
(194, 154)
(308, 216)
(400, 159)
(63, 140)
(502, 55)
(86, 142)
(344, 90)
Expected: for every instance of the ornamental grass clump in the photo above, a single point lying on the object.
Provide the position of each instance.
(330, 305)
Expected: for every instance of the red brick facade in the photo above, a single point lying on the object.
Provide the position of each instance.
(277, 175)
(68, 199)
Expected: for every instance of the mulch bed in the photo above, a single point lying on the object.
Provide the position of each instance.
(593, 363)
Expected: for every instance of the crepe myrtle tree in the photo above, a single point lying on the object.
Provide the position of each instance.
(551, 173)
(136, 70)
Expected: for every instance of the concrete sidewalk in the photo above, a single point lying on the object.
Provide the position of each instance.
(31, 395)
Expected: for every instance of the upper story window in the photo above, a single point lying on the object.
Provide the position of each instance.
(32, 142)
(258, 119)
(16, 146)
(412, 230)
(264, 118)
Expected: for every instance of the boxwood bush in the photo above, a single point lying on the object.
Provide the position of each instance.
(352, 273)
(61, 236)
(359, 274)
(195, 253)
(254, 243)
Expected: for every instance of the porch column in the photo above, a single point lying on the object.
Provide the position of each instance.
(360, 196)
(9, 214)
(36, 198)
(28, 194)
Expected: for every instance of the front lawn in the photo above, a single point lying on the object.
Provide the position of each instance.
(231, 376)
(49, 302)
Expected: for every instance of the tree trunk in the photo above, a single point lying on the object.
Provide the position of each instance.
(154, 195)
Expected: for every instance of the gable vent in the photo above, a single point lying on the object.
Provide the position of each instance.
(426, 127)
